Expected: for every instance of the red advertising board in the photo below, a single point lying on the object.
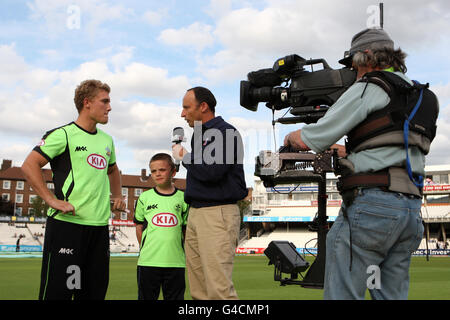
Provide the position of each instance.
(437, 187)
(250, 250)
(128, 223)
(337, 203)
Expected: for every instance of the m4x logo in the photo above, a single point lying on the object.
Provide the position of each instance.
(66, 251)
(152, 206)
(80, 148)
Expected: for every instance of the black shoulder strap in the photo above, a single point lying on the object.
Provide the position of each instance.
(388, 81)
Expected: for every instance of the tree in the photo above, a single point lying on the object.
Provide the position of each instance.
(245, 207)
(39, 207)
(6, 207)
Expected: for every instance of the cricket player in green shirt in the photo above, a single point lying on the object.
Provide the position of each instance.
(160, 217)
(75, 262)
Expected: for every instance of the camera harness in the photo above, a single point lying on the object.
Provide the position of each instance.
(409, 119)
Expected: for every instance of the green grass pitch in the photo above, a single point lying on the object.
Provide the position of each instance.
(253, 279)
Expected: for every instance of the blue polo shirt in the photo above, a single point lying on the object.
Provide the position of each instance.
(215, 172)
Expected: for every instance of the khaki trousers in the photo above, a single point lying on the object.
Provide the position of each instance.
(212, 235)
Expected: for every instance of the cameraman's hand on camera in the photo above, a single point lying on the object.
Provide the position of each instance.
(340, 150)
(294, 140)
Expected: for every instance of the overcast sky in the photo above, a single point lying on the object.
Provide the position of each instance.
(150, 52)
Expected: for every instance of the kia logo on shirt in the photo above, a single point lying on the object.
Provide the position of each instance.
(97, 161)
(165, 220)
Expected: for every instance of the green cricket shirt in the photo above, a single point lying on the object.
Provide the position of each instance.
(163, 217)
(79, 161)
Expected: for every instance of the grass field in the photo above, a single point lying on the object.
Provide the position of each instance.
(253, 278)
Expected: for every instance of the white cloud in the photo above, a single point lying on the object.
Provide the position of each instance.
(218, 8)
(251, 37)
(439, 148)
(143, 125)
(42, 99)
(58, 16)
(13, 67)
(197, 35)
(442, 91)
(147, 81)
(155, 18)
(122, 58)
(16, 152)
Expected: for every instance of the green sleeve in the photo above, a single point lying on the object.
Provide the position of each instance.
(139, 211)
(112, 159)
(53, 144)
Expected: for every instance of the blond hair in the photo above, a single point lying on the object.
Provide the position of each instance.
(88, 89)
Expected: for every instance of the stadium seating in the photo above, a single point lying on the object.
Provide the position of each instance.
(300, 238)
(435, 211)
(10, 233)
(124, 239)
(296, 211)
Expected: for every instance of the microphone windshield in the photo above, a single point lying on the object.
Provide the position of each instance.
(178, 135)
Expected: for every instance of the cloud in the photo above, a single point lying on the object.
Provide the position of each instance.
(13, 67)
(253, 38)
(197, 35)
(147, 81)
(17, 152)
(41, 99)
(442, 91)
(218, 8)
(439, 148)
(143, 125)
(155, 18)
(58, 16)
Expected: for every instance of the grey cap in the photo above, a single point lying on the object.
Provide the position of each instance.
(367, 39)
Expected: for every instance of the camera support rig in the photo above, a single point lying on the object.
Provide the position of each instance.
(288, 167)
(308, 95)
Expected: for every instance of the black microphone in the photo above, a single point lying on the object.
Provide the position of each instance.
(178, 135)
(177, 138)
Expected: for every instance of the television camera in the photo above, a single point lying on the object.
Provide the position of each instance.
(308, 94)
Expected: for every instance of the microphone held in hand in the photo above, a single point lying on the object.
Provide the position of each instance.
(178, 135)
(178, 138)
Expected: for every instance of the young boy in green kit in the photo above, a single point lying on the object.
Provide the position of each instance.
(160, 217)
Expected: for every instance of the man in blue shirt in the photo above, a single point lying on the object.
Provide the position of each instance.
(214, 183)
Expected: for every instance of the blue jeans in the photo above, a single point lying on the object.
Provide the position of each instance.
(386, 228)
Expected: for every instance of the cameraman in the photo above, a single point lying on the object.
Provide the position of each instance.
(379, 225)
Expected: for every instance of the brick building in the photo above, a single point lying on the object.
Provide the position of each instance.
(134, 185)
(14, 188)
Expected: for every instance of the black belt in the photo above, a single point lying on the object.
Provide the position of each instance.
(364, 180)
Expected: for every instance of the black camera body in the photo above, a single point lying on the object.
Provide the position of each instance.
(309, 94)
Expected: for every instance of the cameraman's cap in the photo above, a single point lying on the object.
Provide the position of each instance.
(367, 39)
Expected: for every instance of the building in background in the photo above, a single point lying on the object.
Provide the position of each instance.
(287, 212)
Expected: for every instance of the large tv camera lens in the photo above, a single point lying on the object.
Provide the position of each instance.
(251, 96)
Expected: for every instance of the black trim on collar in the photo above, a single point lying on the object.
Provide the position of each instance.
(93, 133)
(165, 195)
